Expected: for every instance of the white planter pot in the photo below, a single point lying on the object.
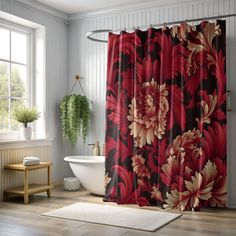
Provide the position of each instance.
(25, 133)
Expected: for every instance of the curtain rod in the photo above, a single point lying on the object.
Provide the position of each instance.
(93, 32)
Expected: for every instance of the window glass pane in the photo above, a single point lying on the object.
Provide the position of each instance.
(15, 79)
(15, 103)
(4, 44)
(4, 79)
(4, 120)
(18, 80)
(19, 47)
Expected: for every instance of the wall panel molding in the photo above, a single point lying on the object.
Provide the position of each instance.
(42, 9)
(129, 8)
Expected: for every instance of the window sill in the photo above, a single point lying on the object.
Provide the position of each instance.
(20, 143)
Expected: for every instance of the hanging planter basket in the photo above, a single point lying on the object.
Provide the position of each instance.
(75, 115)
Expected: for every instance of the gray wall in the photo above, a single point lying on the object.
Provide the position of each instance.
(57, 58)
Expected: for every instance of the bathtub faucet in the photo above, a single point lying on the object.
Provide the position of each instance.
(96, 148)
(91, 144)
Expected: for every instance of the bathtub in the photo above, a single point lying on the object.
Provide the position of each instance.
(90, 171)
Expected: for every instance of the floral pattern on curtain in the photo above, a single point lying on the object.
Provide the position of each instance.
(166, 117)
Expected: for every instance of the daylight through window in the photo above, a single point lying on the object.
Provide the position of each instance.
(15, 79)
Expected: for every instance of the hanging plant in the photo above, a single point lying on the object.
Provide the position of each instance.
(64, 117)
(85, 115)
(75, 115)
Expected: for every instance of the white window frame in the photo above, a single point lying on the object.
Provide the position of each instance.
(30, 89)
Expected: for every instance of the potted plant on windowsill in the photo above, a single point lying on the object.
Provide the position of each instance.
(26, 115)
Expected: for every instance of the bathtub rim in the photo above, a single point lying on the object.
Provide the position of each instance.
(82, 159)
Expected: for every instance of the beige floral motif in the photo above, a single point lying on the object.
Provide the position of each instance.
(148, 116)
(141, 183)
(205, 38)
(107, 180)
(181, 31)
(185, 147)
(139, 167)
(188, 142)
(187, 171)
(175, 200)
(199, 187)
(168, 168)
(208, 109)
(219, 194)
(156, 193)
(209, 173)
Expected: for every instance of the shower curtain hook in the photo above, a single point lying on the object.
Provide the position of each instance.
(164, 26)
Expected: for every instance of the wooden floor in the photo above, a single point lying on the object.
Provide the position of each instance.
(24, 220)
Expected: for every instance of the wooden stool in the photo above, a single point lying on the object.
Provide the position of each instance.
(28, 189)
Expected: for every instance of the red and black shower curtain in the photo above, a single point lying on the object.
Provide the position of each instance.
(166, 117)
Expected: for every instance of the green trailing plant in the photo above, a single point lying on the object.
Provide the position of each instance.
(26, 115)
(64, 117)
(75, 115)
(85, 115)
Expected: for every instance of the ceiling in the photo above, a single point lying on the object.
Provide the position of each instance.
(82, 6)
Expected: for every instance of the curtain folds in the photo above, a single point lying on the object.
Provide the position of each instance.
(166, 117)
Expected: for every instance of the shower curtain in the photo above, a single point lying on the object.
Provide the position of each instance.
(166, 117)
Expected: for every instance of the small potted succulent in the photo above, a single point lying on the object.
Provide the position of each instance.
(26, 115)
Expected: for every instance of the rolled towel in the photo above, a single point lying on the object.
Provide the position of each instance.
(31, 160)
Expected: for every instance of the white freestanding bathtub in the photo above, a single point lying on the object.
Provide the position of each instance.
(90, 171)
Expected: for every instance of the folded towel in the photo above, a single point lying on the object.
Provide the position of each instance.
(31, 160)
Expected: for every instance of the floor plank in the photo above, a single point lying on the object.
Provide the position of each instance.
(19, 219)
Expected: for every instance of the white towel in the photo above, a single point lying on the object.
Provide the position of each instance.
(31, 160)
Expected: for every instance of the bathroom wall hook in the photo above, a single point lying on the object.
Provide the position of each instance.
(228, 101)
(77, 80)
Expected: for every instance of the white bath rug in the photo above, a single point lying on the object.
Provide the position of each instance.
(140, 219)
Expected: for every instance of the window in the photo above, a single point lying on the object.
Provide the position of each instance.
(15, 74)
(22, 73)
